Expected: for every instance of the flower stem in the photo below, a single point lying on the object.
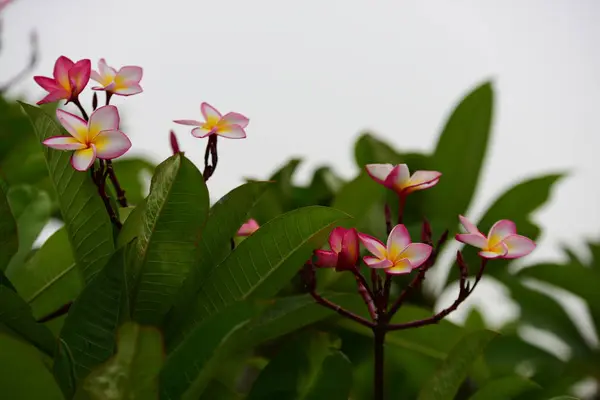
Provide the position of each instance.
(108, 96)
(401, 203)
(81, 109)
(211, 150)
(115, 182)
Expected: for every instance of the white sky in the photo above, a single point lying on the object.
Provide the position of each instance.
(312, 74)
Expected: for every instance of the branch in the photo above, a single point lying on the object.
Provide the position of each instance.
(340, 310)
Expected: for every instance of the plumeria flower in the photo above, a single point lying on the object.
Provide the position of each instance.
(398, 178)
(98, 138)
(125, 82)
(502, 240)
(400, 256)
(230, 125)
(344, 250)
(248, 228)
(69, 80)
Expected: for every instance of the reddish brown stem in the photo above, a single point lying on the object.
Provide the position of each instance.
(401, 203)
(115, 182)
(340, 310)
(55, 314)
(211, 150)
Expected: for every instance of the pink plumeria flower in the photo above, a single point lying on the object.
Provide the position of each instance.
(344, 250)
(400, 256)
(230, 125)
(502, 240)
(125, 82)
(69, 80)
(398, 178)
(248, 228)
(98, 138)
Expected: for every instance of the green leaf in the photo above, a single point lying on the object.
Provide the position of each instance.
(507, 387)
(359, 196)
(459, 155)
(133, 225)
(23, 374)
(444, 384)
(309, 367)
(224, 220)
(91, 326)
(86, 220)
(266, 261)
(132, 373)
(49, 279)
(190, 366)
(15, 315)
(174, 215)
(370, 150)
(130, 172)
(9, 242)
(31, 208)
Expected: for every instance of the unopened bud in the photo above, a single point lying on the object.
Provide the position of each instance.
(174, 143)
(95, 101)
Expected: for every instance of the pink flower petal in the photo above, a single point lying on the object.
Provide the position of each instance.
(64, 143)
(400, 267)
(103, 119)
(335, 239)
(211, 115)
(231, 132)
(76, 126)
(190, 122)
(82, 159)
(234, 118)
(500, 230)
(374, 262)
(79, 76)
(54, 96)
(46, 83)
(379, 172)
(518, 246)
(105, 70)
(497, 251)
(130, 90)
(96, 77)
(373, 245)
(422, 186)
(248, 228)
(397, 241)
(326, 258)
(468, 225)
(202, 132)
(473, 239)
(350, 249)
(423, 177)
(416, 253)
(398, 179)
(61, 72)
(130, 74)
(111, 144)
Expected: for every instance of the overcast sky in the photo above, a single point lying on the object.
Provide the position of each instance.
(312, 74)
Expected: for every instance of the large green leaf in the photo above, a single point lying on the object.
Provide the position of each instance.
(266, 261)
(91, 326)
(190, 365)
(9, 242)
(31, 208)
(444, 384)
(507, 387)
(87, 222)
(459, 155)
(133, 225)
(132, 374)
(174, 215)
(309, 367)
(15, 315)
(49, 279)
(130, 172)
(23, 374)
(359, 196)
(224, 220)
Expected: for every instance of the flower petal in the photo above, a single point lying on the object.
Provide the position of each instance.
(129, 90)
(231, 132)
(497, 251)
(76, 126)
(422, 186)
(248, 228)
(424, 177)
(233, 118)
(335, 239)
(416, 253)
(82, 159)
(79, 76)
(468, 225)
(54, 96)
(103, 119)
(111, 144)
(190, 122)
(400, 267)
(397, 241)
(518, 246)
(379, 172)
(129, 74)
(399, 177)
(474, 239)
(46, 83)
(202, 132)
(211, 115)
(374, 262)
(326, 258)
(61, 72)
(96, 77)
(64, 143)
(373, 245)
(350, 249)
(500, 230)
(105, 70)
